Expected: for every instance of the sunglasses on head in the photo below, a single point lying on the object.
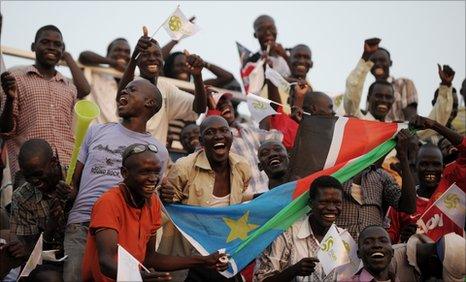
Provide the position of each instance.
(141, 148)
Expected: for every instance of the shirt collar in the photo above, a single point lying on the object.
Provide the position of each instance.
(365, 276)
(57, 77)
(305, 230)
(203, 162)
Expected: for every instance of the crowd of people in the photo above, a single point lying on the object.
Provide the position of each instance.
(155, 144)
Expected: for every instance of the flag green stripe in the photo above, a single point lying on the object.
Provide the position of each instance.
(299, 206)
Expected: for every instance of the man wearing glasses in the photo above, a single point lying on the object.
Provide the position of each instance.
(130, 214)
(99, 163)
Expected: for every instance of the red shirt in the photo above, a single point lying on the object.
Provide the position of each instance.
(397, 219)
(286, 125)
(454, 172)
(134, 227)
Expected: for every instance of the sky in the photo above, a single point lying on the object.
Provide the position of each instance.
(418, 34)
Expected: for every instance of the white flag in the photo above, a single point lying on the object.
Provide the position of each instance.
(178, 26)
(277, 79)
(453, 203)
(256, 77)
(259, 107)
(345, 272)
(34, 259)
(332, 253)
(128, 266)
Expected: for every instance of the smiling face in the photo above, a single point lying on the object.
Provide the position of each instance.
(326, 206)
(150, 61)
(138, 99)
(381, 99)
(216, 137)
(382, 63)
(44, 174)
(49, 48)
(226, 109)
(180, 70)
(141, 173)
(429, 166)
(189, 137)
(273, 159)
(265, 31)
(375, 249)
(301, 61)
(119, 51)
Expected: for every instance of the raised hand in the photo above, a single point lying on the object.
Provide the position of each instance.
(370, 46)
(419, 122)
(143, 42)
(194, 63)
(402, 143)
(9, 85)
(446, 74)
(167, 192)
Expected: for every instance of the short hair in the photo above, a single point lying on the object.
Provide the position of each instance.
(261, 17)
(169, 63)
(386, 51)
(34, 148)
(128, 152)
(110, 45)
(428, 145)
(186, 126)
(379, 82)
(322, 182)
(369, 227)
(46, 28)
(158, 101)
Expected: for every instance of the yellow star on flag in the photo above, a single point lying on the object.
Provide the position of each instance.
(239, 228)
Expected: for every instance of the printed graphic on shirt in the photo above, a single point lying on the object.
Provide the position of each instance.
(108, 160)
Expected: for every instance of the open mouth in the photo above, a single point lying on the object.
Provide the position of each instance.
(382, 108)
(274, 162)
(121, 61)
(379, 71)
(330, 217)
(219, 147)
(226, 111)
(300, 68)
(183, 76)
(430, 177)
(50, 56)
(152, 68)
(194, 143)
(377, 255)
(149, 188)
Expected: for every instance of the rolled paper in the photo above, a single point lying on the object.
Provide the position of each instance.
(85, 111)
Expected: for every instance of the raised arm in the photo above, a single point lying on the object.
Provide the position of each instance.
(407, 202)
(10, 89)
(195, 65)
(223, 76)
(419, 122)
(79, 80)
(355, 80)
(93, 59)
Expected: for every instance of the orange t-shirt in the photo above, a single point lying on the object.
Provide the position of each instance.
(134, 227)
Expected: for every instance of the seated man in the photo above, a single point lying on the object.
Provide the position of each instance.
(99, 162)
(104, 86)
(293, 255)
(367, 195)
(210, 177)
(376, 252)
(274, 161)
(133, 206)
(422, 259)
(41, 205)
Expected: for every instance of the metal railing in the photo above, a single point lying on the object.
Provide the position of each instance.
(88, 70)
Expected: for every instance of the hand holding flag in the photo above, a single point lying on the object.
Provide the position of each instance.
(332, 253)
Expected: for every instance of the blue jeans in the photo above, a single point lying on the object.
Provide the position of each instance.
(74, 244)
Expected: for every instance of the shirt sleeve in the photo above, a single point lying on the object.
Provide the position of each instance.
(84, 152)
(106, 213)
(180, 104)
(354, 87)
(178, 178)
(391, 191)
(441, 111)
(274, 259)
(409, 92)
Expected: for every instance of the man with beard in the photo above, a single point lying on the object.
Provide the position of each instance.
(376, 252)
(41, 205)
(104, 86)
(39, 100)
(99, 162)
(130, 206)
(176, 104)
(210, 177)
(293, 255)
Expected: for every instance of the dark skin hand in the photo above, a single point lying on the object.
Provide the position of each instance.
(407, 201)
(304, 267)
(419, 122)
(446, 75)
(407, 231)
(370, 46)
(10, 88)
(79, 79)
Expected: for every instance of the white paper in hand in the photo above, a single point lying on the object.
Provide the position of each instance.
(34, 259)
(332, 253)
(128, 266)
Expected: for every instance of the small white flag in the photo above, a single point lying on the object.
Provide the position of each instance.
(256, 78)
(178, 26)
(259, 107)
(34, 259)
(345, 272)
(453, 203)
(128, 266)
(277, 79)
(332, 253)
